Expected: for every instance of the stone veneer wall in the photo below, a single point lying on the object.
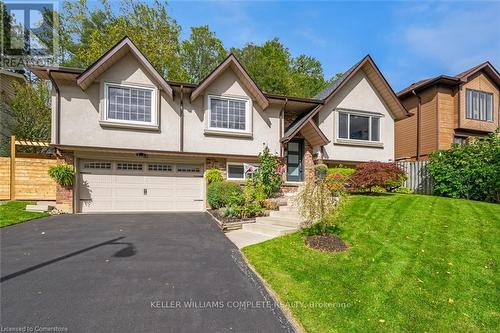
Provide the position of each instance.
(218, 163)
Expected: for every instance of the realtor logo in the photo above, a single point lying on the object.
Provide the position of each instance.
(28, 33)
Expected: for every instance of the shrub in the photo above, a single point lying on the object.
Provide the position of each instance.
(268, 174)
(270, 204)
(348, 172)
(320, 171)
(219, 193)
(335, 182)
(63, 174)
(231, 211)
(255, 191)
(213, 175)
(251, 209)
(371, 174)
(470, 171)
(314, 202)
(403, 190)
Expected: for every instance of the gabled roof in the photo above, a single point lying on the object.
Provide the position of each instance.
(308, 128)
(377, 79)
(373, 73)
(234, 64)
(487, 67)
(112, 56)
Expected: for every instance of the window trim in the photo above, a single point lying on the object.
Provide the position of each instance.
(370, 115)
(467, 90)
(248, 113)
(238, 164)
(153, 124)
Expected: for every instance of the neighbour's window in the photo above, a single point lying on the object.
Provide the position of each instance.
(128, 104)
(461, 140)
(479, 105)
(228, 114)
(160, 167)
(241, 171)
(129, 166)
(359, 127)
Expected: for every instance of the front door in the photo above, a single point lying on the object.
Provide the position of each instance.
(295, 153)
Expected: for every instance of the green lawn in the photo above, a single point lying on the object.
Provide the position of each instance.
(13, 212)
(416, 264)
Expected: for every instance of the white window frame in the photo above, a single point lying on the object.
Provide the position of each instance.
(370, 115)
(238, 164)
(468, 103)
(248, 113)
(154, 105)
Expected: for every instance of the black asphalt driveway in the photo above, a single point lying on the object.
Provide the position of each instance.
(169, 272)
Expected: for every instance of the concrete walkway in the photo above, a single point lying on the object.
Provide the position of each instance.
(280, 222)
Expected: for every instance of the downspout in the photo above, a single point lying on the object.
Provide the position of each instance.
(419, 101)
(282, 125)
(181, 147)
(58, 107)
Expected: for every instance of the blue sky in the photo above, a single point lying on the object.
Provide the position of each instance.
(408, 40)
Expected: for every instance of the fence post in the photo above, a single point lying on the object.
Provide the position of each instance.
(13, 167)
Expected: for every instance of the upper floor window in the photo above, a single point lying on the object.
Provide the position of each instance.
(479, 105)
(228, 114)
(130, 104)
(354, 126)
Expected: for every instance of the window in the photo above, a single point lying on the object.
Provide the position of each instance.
(160, 167)
(97, 165)
(355, 126)
(479, 105)
(129, 166)
(461, 140)
(240, 171)
(188, 168)
(129, 104)
(228, 114)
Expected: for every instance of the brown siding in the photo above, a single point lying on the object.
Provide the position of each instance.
(446, 117)
(406, 129)
(483, 83)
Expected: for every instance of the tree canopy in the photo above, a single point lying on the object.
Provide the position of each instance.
(89, 31)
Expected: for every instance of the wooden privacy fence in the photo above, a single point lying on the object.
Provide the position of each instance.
(418, 178)
(26, 178)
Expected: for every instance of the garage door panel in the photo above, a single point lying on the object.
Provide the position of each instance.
(118, 190)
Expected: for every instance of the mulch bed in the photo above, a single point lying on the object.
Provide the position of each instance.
(327, 243)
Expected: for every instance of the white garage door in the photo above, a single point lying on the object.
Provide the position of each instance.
(116, 186)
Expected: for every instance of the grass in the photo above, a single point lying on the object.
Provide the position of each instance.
(13, 212)
(416, 264)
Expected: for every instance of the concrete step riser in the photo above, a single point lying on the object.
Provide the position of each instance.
(295, 219)
(282, 223)
(287, 214)
(270, 230)
(38, 208)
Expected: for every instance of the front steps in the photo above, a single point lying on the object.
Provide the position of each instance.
(41, 206)
(279, 222)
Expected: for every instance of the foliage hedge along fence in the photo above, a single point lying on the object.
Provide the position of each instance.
(469, 171)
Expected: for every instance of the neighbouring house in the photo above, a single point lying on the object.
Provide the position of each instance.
(7, 79)
(446, 110)
(141, 143)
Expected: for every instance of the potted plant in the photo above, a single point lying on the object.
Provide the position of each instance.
(63, 174)
(320, 171)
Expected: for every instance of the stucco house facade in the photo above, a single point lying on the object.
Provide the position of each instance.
(141, 143)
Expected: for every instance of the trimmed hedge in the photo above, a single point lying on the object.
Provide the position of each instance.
(219, 193)
(347, 172)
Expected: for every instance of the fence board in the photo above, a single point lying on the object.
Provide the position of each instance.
(419, 180)
(32, 179)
